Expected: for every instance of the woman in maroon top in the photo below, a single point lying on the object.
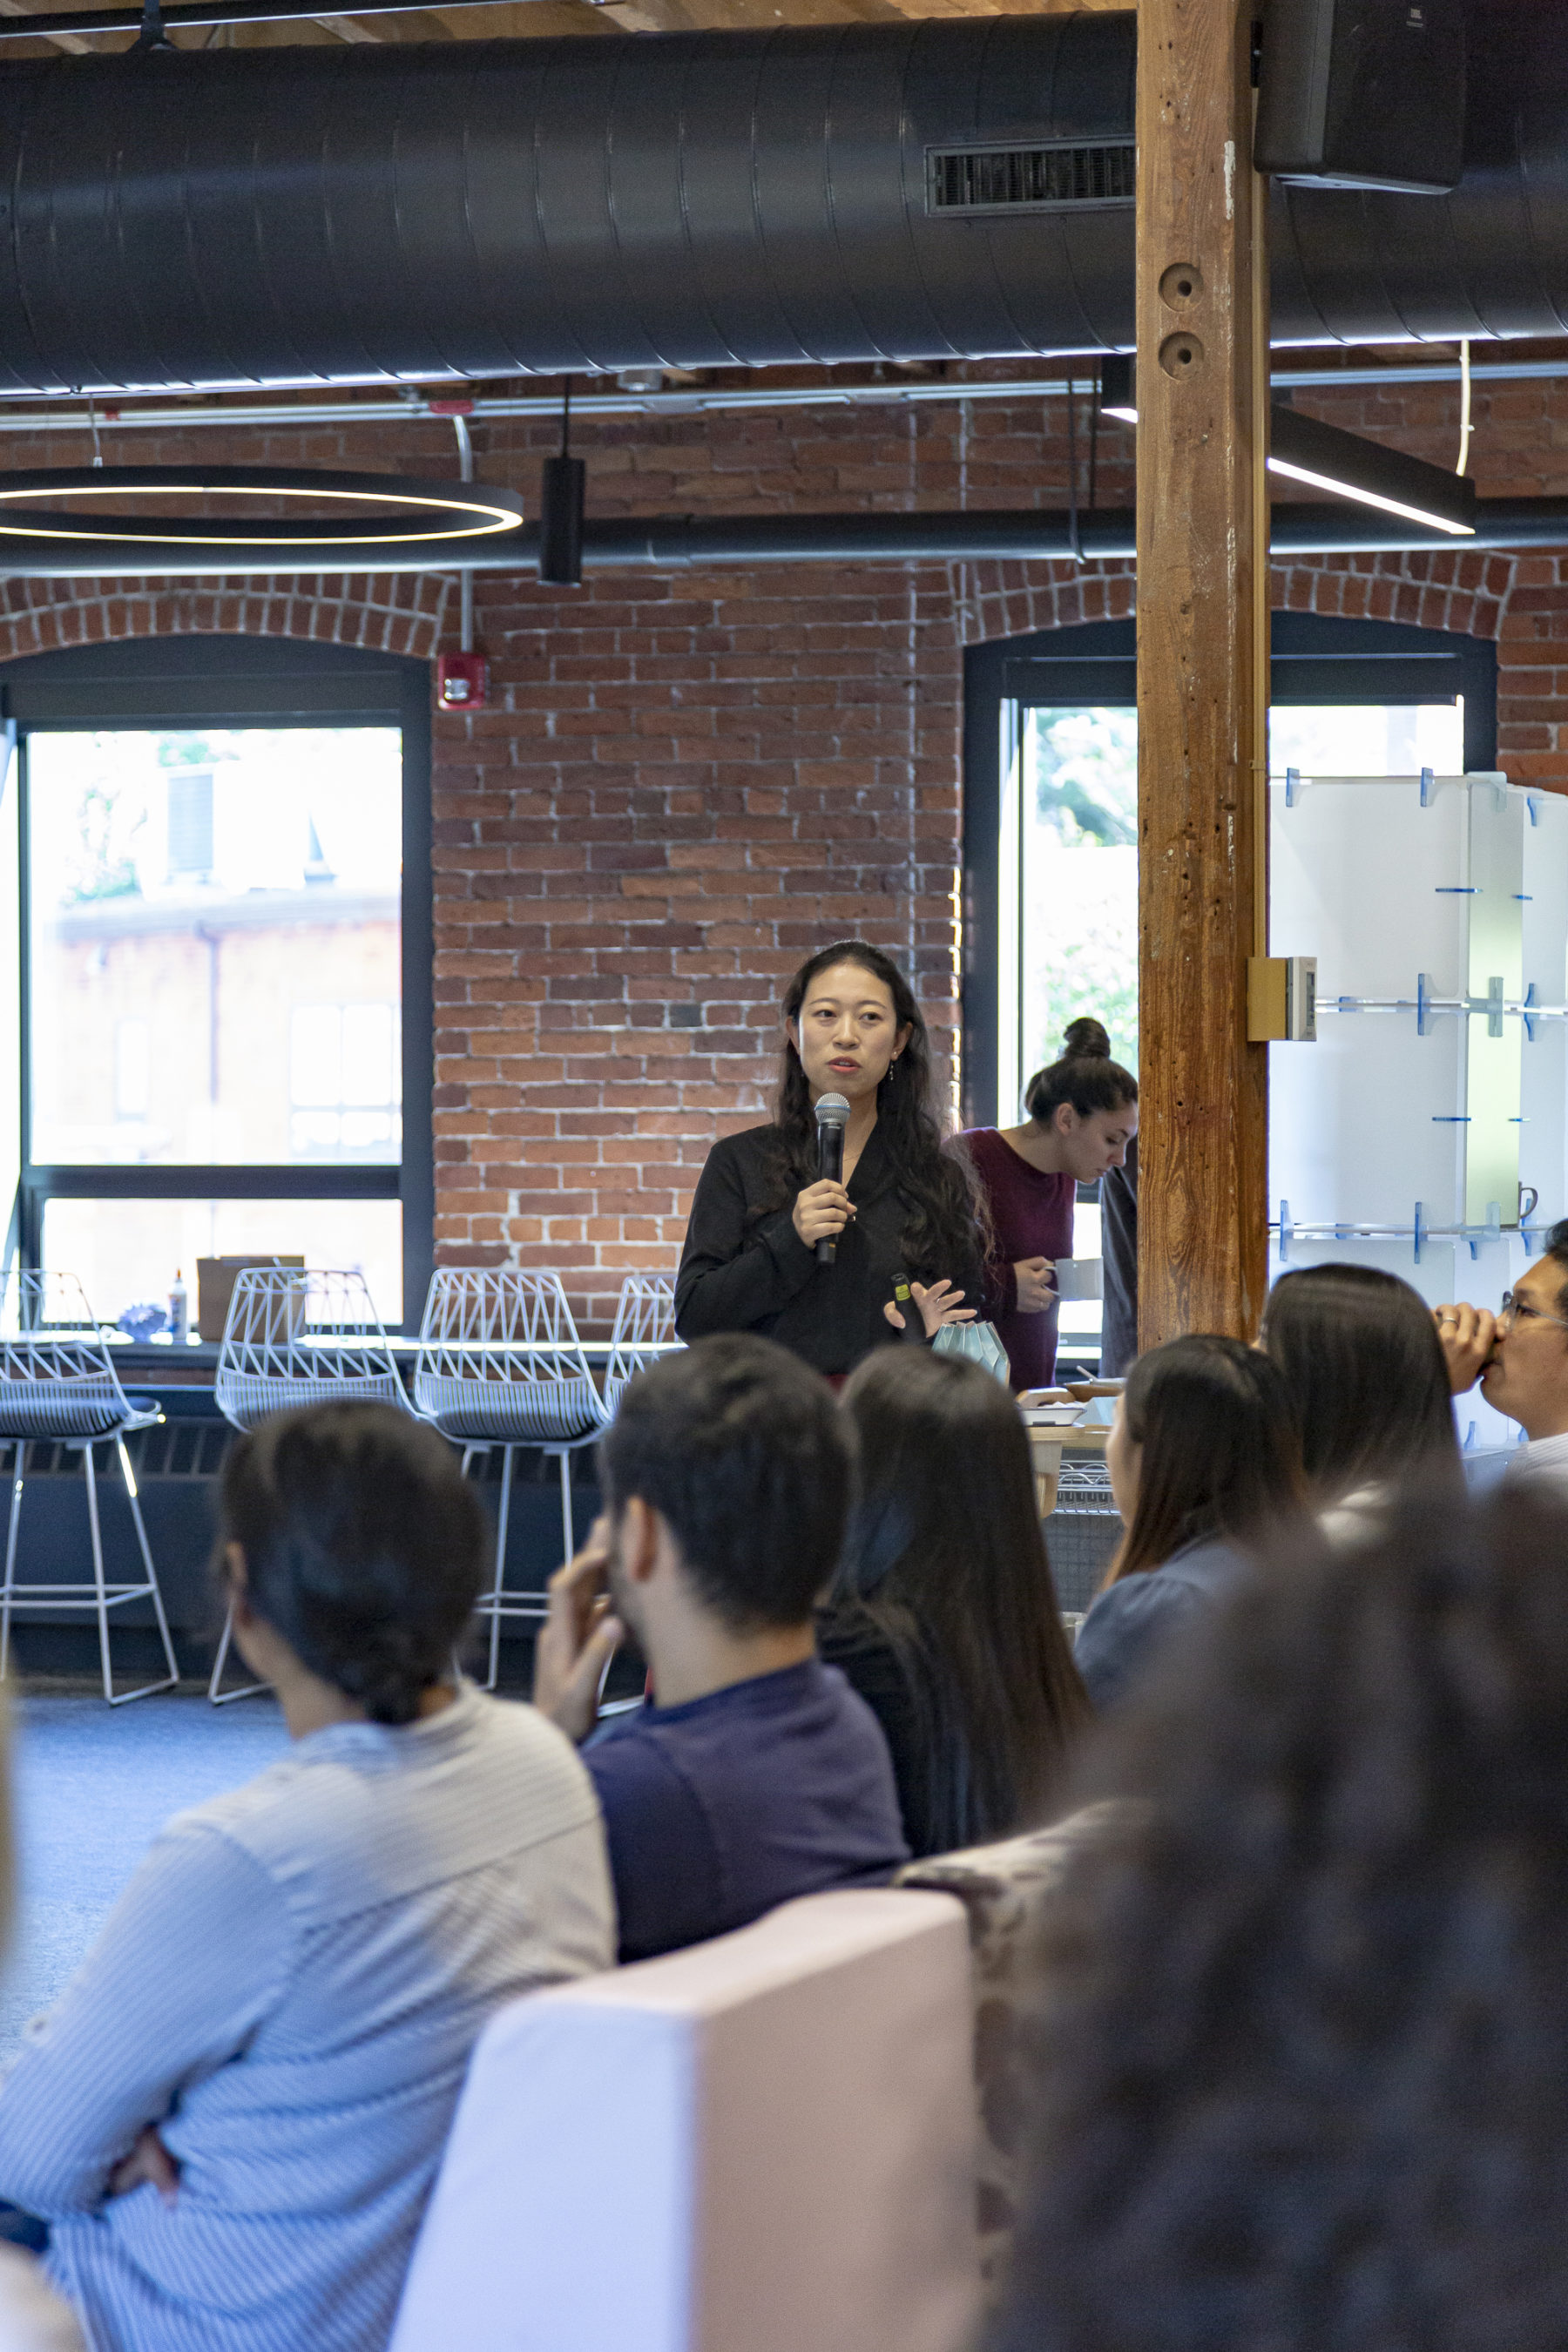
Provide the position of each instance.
(1083, 1114)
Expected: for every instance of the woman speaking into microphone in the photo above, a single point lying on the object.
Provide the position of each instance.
(816, 1260)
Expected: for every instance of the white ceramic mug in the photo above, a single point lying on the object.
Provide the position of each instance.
(1078, 1277)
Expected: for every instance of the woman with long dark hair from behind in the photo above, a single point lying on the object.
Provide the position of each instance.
(1369, 1386)
(1203, 1460)
(903, 1223)
(1299, 2077)
(943, 1614)
(234, 2118)
(1082, 1119)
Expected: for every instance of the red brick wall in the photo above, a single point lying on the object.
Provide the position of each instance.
(687, 786)
(686, 782)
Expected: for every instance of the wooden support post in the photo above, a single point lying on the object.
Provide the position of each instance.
(1202, 674)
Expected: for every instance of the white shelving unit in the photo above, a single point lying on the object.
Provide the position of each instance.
(1434, 1104)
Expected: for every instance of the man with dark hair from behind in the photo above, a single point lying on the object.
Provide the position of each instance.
(1521, 1358)
(752, 1773)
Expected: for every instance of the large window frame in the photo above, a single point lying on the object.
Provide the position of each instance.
(215, 682)
(1315, 661)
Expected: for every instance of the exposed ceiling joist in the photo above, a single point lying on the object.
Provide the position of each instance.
(72, 42)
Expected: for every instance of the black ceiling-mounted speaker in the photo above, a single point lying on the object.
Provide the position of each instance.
(1362, 94)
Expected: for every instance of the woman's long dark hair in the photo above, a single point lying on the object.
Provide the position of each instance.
(1220, 1454)
(946, 1562)
(943, 1228)
(1297, 2082)
(1368, 1383)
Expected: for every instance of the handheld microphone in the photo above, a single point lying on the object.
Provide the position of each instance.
(832, 1119)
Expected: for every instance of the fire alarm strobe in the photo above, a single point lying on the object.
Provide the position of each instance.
(1362, 94)
(462, 681)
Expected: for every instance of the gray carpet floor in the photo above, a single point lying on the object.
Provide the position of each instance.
(92, 1786)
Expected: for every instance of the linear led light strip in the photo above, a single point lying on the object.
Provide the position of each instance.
(1328, 458)
(1340, 488)
(1366, 497)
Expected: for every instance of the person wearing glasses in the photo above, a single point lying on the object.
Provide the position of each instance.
(1521, 1359)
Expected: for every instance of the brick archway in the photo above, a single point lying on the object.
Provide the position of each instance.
(391, 612)
(1520, 599)
(1470, 592)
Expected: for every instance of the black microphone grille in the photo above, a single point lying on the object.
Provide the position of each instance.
(831, 1110)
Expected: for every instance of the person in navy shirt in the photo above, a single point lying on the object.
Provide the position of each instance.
(752, 1772)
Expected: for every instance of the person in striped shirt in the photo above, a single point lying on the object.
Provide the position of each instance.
(233, 2120)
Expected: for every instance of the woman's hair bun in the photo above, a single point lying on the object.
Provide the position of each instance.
(1085, 1039)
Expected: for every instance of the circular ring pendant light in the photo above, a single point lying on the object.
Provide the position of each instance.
(391, 522)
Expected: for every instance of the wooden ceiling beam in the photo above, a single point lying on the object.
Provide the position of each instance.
(71, 42)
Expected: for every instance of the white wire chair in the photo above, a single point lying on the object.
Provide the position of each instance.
(643, 1331)
(500, 1363)
(297, 1336)
(58, 1385)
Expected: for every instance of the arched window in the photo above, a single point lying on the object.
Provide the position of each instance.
(1049, 775)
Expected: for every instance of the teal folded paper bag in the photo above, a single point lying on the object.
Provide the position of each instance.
(979, 1342)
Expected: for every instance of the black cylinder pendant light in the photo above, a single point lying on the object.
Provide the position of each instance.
(561, 509)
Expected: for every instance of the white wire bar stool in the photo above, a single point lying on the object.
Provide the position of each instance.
(58, 1385)
(298, 1336)
(643, 1331)
(500, 1363)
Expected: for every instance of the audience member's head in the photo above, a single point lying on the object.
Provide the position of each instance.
(1299, 2080)
(1086, 1102)
(1204, 1450)
(945, 1563)
(727, 1475)
(349, 1537)
(1367, 1379)
(1527, 1378)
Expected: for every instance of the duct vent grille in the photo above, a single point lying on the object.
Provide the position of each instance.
(1029, 179)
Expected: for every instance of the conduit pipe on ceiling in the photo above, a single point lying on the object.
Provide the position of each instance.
(710, 400)
(294, 215)
(664, 542)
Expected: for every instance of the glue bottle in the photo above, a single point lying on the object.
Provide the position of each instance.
(179, 1310)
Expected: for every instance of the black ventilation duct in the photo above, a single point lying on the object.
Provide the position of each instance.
(931, 190)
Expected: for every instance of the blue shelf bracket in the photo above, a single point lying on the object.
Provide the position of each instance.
(1531, 1023)
(1491, 1232)
(1292, 786)
(1285, 1232)
(1422, 1004)
(1420, 1231)
(1428, 787)
(1532, 803)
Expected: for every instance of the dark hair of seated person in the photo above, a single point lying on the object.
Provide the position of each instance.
(1368, 1383)
(739, 1446)
(365, 1547)
(943, 1614)
(1299, 2078)
(1220, 1458)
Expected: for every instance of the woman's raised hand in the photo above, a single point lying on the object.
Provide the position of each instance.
(939, 1305)
(822, 1211)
